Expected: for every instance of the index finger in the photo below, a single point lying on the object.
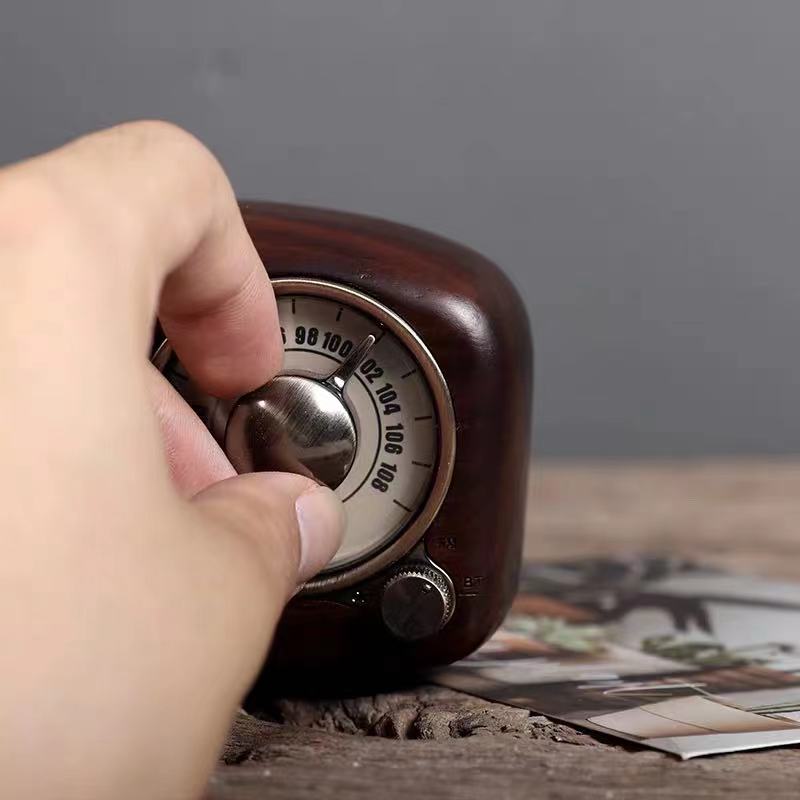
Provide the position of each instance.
(169, 216)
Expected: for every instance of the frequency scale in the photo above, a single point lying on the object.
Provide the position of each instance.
(405, 387)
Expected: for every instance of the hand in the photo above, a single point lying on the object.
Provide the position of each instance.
(140, 580)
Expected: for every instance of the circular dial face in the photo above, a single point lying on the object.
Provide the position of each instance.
(397, 399)
(393, 411)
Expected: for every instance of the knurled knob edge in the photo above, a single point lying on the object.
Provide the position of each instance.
(434, 576)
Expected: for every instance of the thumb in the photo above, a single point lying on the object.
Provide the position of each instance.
(295, 524)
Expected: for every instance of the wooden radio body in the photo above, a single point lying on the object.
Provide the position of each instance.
(472, 321)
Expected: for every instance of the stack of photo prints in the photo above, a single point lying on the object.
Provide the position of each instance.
(657, 651)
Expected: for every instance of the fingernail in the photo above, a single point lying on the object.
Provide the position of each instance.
(321, 520)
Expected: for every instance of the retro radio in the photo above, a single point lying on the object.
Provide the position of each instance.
(406, 387)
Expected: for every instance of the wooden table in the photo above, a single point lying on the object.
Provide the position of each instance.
(435, 743)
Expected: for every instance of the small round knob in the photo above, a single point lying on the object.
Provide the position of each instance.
(417, 602)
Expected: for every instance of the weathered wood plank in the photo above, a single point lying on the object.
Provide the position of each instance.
(742, 515)
(436, 743)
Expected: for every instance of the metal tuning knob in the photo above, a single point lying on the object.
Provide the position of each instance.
(297, 424)
(417, 602)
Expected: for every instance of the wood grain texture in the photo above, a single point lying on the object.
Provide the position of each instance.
(435, 743)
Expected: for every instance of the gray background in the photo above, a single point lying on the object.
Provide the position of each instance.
(634, 166)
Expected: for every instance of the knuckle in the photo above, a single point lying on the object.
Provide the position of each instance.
(152, 162)
(49, 192)
(32, 205)
(176, 158)
(156, 135)
(156, 132)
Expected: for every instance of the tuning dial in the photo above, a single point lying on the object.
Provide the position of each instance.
(417, 602)
(297, 424)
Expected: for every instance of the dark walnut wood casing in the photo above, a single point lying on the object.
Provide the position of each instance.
(473, 322)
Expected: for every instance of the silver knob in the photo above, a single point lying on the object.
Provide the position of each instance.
(417, 602)
(297, 424)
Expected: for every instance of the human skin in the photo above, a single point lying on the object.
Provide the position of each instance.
(140, 578)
